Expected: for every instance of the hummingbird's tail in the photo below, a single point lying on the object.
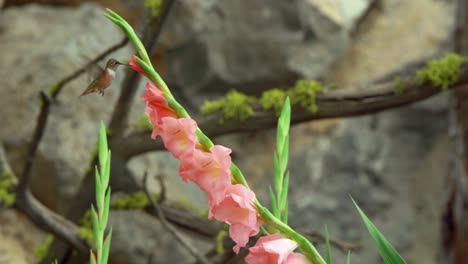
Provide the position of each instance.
(87, 91)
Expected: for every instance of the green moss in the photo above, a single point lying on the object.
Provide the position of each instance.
(137, 200)
(398, 85)
(219, 242)
(42, 250)
(235, 105)
(239, 106)
(332, 86)
(442, 72)
(273, 99)
(154, 6)
(53, 88)
(86, 228)
(7, 193)
(144, 123)
(304, 94)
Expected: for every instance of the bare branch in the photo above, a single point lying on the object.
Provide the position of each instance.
(41, 215)
(162, 184)
(343, 245)
(38, 133)
(192, 250)
(331, 104)
(5, 168)
(50, 221)
(194, 223)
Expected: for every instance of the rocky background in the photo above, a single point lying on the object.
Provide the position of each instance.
(393, 163)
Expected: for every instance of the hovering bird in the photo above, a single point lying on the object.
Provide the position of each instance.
(102, 77)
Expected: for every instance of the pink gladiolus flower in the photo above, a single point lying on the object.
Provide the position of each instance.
(296, 258)
(134, 64)
(237, 209)
(209, 170)
(156, 107)
(274, 249)
(178, 135)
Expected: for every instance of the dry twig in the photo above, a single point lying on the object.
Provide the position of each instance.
(192, 250)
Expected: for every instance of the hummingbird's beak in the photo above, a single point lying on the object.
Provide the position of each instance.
(123, 64)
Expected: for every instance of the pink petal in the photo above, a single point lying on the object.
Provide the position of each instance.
(241, 234)
(296, 258)
(209, 170)
(274, 249)
(156, 107)
(134, 64)
(178, 135)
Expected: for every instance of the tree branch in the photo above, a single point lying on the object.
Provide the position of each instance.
(331, 104)
(41, 215)
(37, 137)
(50, 221)
(343, 245)
(192, 250)
(190, 222)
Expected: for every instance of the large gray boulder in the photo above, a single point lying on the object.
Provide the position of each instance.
(253, 45)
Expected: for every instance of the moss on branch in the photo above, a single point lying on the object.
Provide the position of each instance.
(238, 106)
(442, 72)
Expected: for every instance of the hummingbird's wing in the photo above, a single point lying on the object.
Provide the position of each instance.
(94, 72)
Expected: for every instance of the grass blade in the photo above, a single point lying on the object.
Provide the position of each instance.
(387, 252)
(327, 245)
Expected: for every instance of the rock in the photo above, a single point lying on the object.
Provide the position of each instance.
(216, 45)
(147, 241)
(44, 46)
(18, 238)
(392, 163)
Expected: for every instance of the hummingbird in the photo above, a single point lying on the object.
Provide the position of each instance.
(102, 77)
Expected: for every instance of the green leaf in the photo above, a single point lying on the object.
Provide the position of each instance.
(105, 212)
(102, 146)
(114, 17)
(284, 199)
(348, 259)
(285, 117)
(388, 253)
(96, 226)
(285, 154)
(278, 176)
(106, 248)
(105, 171)
(327, 245)
(91, 258)
(99, 191)
(274, 204)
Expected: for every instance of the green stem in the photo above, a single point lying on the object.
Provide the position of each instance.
(306, 247)
(237, 177)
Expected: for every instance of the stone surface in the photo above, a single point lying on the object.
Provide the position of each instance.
(147, 242)
(252, 45)
(18, 238)
(41, 46)
(396, 33)
(392, 163)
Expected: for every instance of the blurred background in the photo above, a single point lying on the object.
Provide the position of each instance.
(394, 163)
